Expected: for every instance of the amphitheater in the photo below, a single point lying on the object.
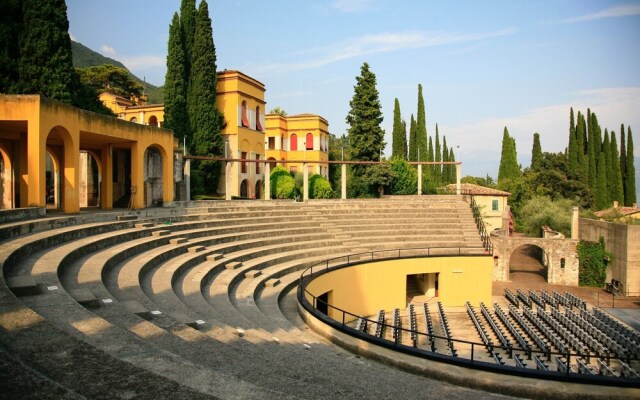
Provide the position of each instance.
(203, 300)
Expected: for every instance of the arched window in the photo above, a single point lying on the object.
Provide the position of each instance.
(153, 121)
(243, 114)
(258, 192)
(258, 124)
(133, 119)
(293, 142)
(309, 141)
(244, 189)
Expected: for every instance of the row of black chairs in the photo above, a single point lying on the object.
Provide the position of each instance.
(495, 327)
(625, 331)
(511, 297)
(429, 323)
(510, 327)
(396, 323)
(444, 323)
(549, 299)
(484, 336)
(380, 324)
(568, 337)
(413, 324)
(585, 337)
(536, 298)
(545, 330)
(361, 325)
(576, 301)
(621, 344)
(533, 335)
(524, 298)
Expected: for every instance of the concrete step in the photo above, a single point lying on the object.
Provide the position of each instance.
(162, 232)
(254, 273)
(126, 217)
(23, 285)
(196, 249)
(233, 265)
(214, 257)
(176, 241)
(85, 297)
(145, 225)
(272, 282)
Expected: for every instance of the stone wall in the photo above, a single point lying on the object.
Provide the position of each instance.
(623, 242)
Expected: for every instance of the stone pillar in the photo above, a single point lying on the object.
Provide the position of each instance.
(305, 182)
(187, 179)
(458, 177)
(419, 179)
(267, 181)
(343, 180)
(575, 223)
(228, 182)
(137, 176)
(106, 184)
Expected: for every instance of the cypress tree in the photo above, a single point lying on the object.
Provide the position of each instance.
(399, 137)
(581, 144)
(592, 157)
(430, 158)
(188, 14)
(445, 158)
(413, 140)
(45, 64)
(10, 28)
(617, 191)
(438, 158)
(623, 159)
(366, 137)
(175, 84)
(206, 120)
(536, 153)
(509, 168)
(452, 168)
(601, 195)
(573, 147)
(630, 185)
(606, 149)
(421, 127)
(405, 150)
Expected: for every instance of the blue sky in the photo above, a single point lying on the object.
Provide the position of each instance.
(483, 65)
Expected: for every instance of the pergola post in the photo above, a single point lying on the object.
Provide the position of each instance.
(419, 179)
(458, 177)
(267, 181)
(305, 186)
(343, 180)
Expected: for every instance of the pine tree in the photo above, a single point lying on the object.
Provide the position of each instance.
(421, 127)
(536, 153)
(45, 64)
(630, 185)
(509, 168)
(175, 84)
(601, 195)
(572, 151)
(413, 140)
(438, 158)
(399, 144)
(617, 190)
(10, 28)
(366, 137)
(206, 120)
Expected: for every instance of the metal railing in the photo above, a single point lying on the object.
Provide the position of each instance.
(342, 320)
(477, 216)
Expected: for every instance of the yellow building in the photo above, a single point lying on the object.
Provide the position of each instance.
(42, 143)
(302, 137)
(151, 114)
(620, 214)
(492, 203)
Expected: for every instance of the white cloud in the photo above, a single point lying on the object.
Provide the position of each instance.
(379, 43)
(612, 12)
(72, 37)
(480, 141)
(143, 61)
(351, 6)
(108, 50)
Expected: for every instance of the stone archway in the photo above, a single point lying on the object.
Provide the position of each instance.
(561, 257)
(527, 263)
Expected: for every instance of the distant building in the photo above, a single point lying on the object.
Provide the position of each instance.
(619, 214)
(148, 114)
(492, 203)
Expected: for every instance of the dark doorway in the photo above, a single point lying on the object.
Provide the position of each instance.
(322, 303)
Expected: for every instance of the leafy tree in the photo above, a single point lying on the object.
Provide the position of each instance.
(536, 153)
(487, 181)
(593, 269)
(10, 28)
(206, 120)
(421, 128)
(413, 140)
(175, 84)
(380, 176)
(45, 63)
(319, 188)
(509, 168)
(617, 190)
(630, 184)
(108, 78)
(366, 137)
(278, 111)
(399, 144)
(407, 178)
(87, 99)
(540, 211)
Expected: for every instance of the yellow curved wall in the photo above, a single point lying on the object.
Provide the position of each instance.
(364, 289)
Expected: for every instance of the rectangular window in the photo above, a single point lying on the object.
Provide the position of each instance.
(243, 165)
(272, 143)
(258, 164)
(495, 206)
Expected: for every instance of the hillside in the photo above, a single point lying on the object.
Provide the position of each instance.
(85, 57)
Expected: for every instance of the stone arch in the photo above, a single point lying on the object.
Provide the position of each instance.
(244, 188)
(258, 190)
(90, 177)
(153, 175)
(52, 179)
(61, 142)
(528, 262)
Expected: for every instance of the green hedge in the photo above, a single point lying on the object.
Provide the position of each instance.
(282, 184)
(319, 188)
(593, 267)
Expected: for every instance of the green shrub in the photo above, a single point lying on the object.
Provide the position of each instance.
(285, 188)
(541, 210)
(319, 188)
(278, 175)
(407, 178)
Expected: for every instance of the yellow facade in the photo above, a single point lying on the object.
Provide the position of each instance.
(34, 130)
(492, 203)
(366, 288)
(151, 114)
(303, 137)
